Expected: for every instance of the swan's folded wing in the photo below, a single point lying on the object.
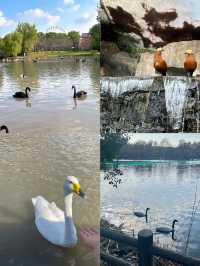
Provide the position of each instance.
(58, 212)
(52, 230)
(43, 209)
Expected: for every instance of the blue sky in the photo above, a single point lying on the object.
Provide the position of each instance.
(65, 14)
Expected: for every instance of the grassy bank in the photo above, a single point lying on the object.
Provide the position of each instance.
(49, 54)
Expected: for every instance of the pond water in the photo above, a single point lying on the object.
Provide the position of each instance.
(51, 136)
(168, 188)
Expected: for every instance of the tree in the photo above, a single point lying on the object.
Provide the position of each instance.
(74, 37)
(95, 34)
(12, 44)
(29, 36)
(111, 145)
(53, 41)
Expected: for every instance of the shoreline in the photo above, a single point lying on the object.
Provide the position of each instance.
(48, 55)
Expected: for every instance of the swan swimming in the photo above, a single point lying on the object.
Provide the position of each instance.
(53, 224)
(142, 214)
(21, 94)
(167, 230)
(3, 127)
(78, 94)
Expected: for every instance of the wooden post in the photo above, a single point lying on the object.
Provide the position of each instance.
(145, 243)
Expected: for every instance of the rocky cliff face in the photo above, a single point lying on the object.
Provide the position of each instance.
(155, 22)
(150, 104)
(174, 56)
(132, 26)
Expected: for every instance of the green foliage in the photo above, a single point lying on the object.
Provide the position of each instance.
(29, 36)
(75, 37)
(95, 34)
(155, 151)
(11, 44)
(48, 54)
(111, 145)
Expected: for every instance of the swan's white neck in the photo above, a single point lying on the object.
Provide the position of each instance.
(70, 230)
(68, 205)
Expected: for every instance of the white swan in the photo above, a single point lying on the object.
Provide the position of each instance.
(53, 224)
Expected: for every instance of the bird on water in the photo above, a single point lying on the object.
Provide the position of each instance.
(55, 225)
(142, 214)
(167, 230)
(3, 127)
(78, 94)
(160, 64)
(21, 94)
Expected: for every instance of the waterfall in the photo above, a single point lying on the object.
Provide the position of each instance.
(153, 103)
(116, 86)
(175, 97)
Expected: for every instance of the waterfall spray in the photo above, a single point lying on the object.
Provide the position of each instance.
(117, 86)
(175, 97)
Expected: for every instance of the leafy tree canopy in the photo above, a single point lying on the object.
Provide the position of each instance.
(95, 34)
(11, 44)
(29, 36)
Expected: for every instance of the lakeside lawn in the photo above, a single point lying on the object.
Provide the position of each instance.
(47, 54)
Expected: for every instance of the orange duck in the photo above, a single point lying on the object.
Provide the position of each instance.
(159, 63)
(190, 63)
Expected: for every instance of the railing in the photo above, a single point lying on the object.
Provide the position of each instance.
(146, 250)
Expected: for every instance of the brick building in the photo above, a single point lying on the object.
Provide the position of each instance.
(85, 41)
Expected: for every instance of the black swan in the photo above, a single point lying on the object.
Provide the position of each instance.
(21, 94)
(78, 94)
(3, 127)
(142, 214)
(166, 230)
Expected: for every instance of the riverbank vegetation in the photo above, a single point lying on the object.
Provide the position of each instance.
(52, 54)
(116, 146)
(26, 40)
(163, 151)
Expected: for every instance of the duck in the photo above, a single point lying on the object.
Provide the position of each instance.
(3, 127)
(160, 64)
(21, 94)
(53, 224)
(167, 230)
(190, 63)
(142, 214)
(78, 94)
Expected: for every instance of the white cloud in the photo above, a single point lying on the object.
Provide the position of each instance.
(36, 14)
(60, 9)
(86, 21)
(76, 7)
(5, 22)
(68, 2)
(86, 17)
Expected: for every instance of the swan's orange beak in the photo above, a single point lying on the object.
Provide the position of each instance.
(77, 190)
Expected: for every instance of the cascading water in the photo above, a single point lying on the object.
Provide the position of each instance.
(155, 104)
(175, 97)
(117, 86)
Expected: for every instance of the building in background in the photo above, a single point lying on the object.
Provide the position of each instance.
(85, 42)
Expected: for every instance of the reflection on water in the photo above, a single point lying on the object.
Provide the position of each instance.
(168, 189)
(48, 141)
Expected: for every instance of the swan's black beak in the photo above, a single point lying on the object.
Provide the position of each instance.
(82, 194)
